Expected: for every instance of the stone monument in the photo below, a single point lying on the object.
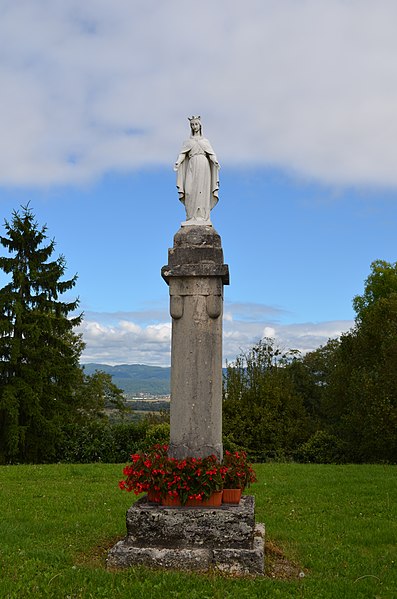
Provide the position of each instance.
(222, 539)
(196, 275)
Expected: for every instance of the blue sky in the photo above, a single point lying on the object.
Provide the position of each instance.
(299, 100)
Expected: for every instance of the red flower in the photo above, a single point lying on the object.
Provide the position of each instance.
(195, 478)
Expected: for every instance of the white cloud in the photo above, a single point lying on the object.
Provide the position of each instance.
(92, 86)
(126, 341)
(269, 332)
(240, 336)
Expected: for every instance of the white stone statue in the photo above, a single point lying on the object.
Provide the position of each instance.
(197, 176)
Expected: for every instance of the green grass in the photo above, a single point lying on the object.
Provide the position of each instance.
(339, 523)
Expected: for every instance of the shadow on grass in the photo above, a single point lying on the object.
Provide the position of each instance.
(278, 566)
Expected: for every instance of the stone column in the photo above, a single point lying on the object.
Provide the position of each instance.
(196, 274)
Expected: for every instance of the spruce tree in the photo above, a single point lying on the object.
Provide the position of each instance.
(39, 351)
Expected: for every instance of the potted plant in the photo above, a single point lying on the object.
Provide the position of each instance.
(191, 481)
(146, 472)
(196, 481)
(239, 474)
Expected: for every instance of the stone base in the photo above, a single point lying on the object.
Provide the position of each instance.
(197, 539)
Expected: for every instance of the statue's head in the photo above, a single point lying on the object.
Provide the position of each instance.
(195, 124)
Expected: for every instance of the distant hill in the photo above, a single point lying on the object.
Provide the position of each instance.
(136, 378)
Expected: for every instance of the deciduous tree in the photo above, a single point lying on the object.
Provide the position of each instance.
(362, 393)
(262, 410)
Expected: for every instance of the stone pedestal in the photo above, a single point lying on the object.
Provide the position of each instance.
(196, 274)
(222, 539)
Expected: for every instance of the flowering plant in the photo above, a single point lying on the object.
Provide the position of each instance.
(195, 478)
(239, 473)
(190, 478)
(147, 471)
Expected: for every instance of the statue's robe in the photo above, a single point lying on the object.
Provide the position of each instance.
(198, 179)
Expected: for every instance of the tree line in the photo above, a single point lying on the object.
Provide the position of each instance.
(335, 404)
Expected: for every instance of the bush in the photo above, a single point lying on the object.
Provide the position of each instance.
(100, 441)
(128, 438)
(230, 445)
(322, 448)
(156, 434)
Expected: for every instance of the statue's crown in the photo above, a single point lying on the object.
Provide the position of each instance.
(194, 118)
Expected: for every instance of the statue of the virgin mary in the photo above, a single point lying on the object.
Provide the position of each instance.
(197, 176)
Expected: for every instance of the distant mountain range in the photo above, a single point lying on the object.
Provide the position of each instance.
(136, 378)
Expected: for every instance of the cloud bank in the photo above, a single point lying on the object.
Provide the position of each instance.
(97, 86)
(111, 339)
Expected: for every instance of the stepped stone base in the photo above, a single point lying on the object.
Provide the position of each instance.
(223, 539)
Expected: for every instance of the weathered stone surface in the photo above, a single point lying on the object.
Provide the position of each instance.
(229, 526)
(203, 269)
(193, 547)
(197, 252)
(124, 554)
(196, 275)
(197, 237)
(240, 561)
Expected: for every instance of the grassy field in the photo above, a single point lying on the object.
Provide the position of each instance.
(337, 525)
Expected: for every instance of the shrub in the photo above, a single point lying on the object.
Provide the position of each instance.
(322, 448)
(100, 441)
(156, 434)
(230, 445)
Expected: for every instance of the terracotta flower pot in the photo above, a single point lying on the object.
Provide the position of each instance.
(214, 500)
(153, 496)
(231, 496)
(194, 503)
(171, 501)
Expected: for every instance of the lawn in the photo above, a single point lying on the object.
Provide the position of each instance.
(337, 526)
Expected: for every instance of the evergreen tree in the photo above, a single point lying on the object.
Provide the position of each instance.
(39, 352)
